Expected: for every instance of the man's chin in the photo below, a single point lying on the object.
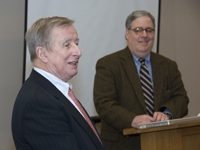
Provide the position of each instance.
(142, 53)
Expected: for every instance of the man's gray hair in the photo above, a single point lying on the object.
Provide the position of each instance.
(39, 34)
(136, 14)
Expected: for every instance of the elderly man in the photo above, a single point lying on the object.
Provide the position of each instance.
(46, 114)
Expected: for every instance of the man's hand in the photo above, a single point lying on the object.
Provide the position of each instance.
(141, 119)
(157, 116)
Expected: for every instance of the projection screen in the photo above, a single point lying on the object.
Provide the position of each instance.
(101, 28)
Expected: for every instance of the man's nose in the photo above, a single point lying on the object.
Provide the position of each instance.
(78, 51)
(144, 33)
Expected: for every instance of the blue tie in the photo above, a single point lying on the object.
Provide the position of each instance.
(147, 87)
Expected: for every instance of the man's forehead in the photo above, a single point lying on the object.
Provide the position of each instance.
(65, 33)
(142, 21)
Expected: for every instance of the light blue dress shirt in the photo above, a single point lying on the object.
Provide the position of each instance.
(148, 64)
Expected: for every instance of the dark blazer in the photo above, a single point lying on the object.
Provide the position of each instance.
(118, 95)
(44, 119)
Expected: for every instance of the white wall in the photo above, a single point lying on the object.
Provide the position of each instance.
(101, 29)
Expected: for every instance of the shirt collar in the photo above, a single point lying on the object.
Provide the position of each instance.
(60, 84)
(136, 59)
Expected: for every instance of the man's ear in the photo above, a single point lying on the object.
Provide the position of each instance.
(41, 53)
(127, 34)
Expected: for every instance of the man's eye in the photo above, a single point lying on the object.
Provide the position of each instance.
(138, 30)
(149, 30)
(67, 45)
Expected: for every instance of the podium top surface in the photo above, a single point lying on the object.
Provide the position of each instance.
(169, 122)
(175, 124)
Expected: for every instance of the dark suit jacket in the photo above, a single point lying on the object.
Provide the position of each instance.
(44, 119)
(118, 95)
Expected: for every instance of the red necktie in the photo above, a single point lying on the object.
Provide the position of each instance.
(71, 94)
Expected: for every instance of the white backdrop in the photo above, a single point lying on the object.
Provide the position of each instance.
(101, 28)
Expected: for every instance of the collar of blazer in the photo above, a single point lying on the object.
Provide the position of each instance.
(157, 72)
(74, 112)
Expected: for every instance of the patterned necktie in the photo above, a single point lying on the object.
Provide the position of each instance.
(80, 107)
(147, 87)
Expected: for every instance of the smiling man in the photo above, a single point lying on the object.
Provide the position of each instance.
(46, 114)
(135, 85)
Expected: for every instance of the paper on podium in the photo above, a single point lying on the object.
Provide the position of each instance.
(169, 122)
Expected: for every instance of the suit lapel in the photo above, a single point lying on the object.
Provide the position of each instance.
(74, 112)
(158, 75)
(80, 120)
(131, 71)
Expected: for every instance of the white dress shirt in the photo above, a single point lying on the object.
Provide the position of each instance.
(62, 86)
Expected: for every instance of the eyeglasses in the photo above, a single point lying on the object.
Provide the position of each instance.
(139, 30)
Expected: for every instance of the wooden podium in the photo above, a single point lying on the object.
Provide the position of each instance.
(172, 137)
